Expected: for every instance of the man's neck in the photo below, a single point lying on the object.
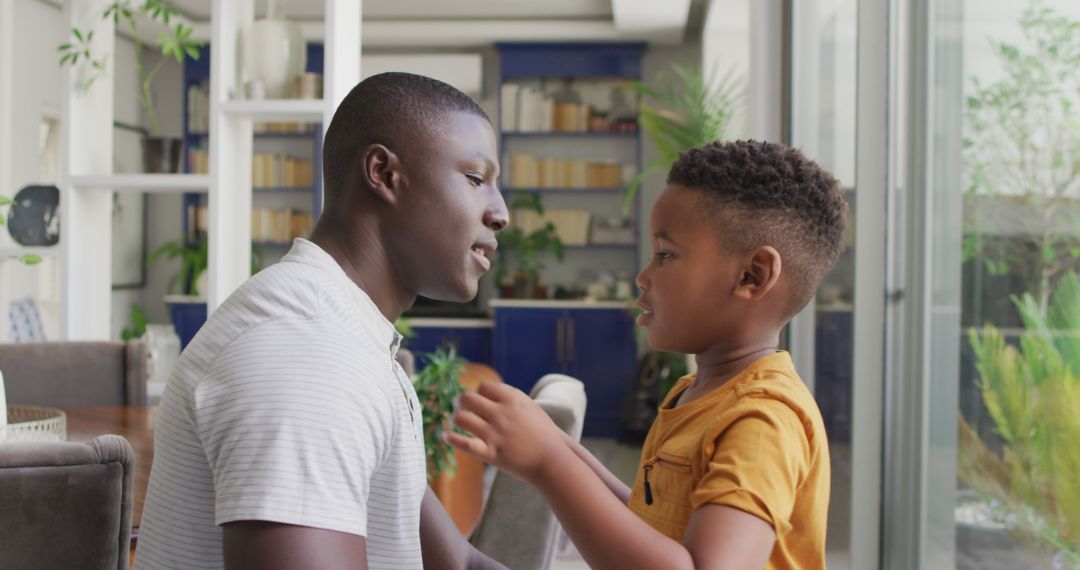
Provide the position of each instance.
(360, 253)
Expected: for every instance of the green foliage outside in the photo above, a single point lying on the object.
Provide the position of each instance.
(438, 385)
(682, 109)
(1021, 149)
(1032, 394)
(176, 43)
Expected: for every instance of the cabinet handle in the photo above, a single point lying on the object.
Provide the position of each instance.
(559, 344)
(570, 340)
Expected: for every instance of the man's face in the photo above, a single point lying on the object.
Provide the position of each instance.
(687, 286)
(452, 208)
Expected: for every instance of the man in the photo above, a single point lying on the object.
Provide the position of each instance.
(288, 436)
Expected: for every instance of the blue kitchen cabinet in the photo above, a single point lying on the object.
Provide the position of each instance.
(529, 343)
(473, 342)
(594, 345)
(602, 353)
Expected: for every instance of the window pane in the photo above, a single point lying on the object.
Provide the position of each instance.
(1018, 445)
(823, 101)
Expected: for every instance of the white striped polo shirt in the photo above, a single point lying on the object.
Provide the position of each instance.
(287, 406)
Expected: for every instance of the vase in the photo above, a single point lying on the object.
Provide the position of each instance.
(273, 54)
(161, 155)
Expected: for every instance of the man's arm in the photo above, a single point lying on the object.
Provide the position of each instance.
(260, 545)
(442, 544)
(514, 434)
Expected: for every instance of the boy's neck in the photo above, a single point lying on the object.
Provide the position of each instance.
(720, 363)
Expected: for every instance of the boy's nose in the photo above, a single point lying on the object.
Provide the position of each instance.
(642, 279)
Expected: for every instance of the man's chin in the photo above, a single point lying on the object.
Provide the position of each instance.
(461, 293)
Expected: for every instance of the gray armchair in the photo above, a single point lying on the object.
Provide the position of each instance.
(66, 505)
(517, 528)
(75, 373)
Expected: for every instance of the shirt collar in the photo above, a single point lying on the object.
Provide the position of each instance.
(384, 332)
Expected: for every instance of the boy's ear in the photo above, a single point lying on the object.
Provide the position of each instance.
(381, 172)
(760, 273)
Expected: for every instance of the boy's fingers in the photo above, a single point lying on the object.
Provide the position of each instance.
(479, 405)
(495, 391)
(467, 444)
(472, 423)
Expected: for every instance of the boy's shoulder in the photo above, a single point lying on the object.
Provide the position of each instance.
(772, 388)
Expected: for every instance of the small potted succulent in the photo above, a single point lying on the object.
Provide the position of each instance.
(525, 250)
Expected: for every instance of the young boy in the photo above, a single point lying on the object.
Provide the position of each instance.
(735, 470)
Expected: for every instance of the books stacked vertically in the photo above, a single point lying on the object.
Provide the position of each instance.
(281, 171)
(279, 226)
(529, 171)
(572, 226)
(570, 107)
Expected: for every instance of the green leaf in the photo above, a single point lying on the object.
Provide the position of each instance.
(30, 259)
(78, 34)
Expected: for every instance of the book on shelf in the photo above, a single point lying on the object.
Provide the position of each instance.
(279, 226)
(577, 106)
(572, 226)
(198, 104)
(267, 170)
(530, 171)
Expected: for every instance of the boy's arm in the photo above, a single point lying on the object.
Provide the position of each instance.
(442, 544)
(517, 436)
(612, 482)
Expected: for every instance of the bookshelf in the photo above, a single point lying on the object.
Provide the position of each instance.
(87, 179)
(286, 158)
(568, 133)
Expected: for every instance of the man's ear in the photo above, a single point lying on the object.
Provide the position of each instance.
(759, 274)
(381, 172)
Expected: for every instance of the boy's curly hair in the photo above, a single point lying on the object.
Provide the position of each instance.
(764, 193)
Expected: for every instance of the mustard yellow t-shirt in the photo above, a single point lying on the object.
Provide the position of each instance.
(757, 444)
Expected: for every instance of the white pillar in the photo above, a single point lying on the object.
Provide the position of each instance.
(86, 215)
(229, 215)
(341, 55)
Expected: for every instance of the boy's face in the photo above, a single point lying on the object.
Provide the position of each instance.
(451, 210)
(687, 288)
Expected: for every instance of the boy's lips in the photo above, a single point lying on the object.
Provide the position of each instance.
(646, 314)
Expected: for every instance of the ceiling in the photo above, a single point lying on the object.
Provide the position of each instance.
(431, 9)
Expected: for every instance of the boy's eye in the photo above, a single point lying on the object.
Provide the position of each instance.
(661, 256)
(475, 180)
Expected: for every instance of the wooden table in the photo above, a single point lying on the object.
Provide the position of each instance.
(135, 423)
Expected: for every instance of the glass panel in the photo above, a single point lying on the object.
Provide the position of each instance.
(823, 100)
(1017, 171)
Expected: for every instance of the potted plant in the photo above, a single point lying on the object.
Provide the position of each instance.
(1031, 393)
(188, 308)
(456, 477)
(526, 251)
(160, 154)
(26, 258)
(686, 111)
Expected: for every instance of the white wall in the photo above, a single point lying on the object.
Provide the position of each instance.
(35, 91)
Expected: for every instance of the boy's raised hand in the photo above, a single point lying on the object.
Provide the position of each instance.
(509, 431)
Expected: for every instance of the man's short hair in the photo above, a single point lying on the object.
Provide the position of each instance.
(393, 109)
(763, 193)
